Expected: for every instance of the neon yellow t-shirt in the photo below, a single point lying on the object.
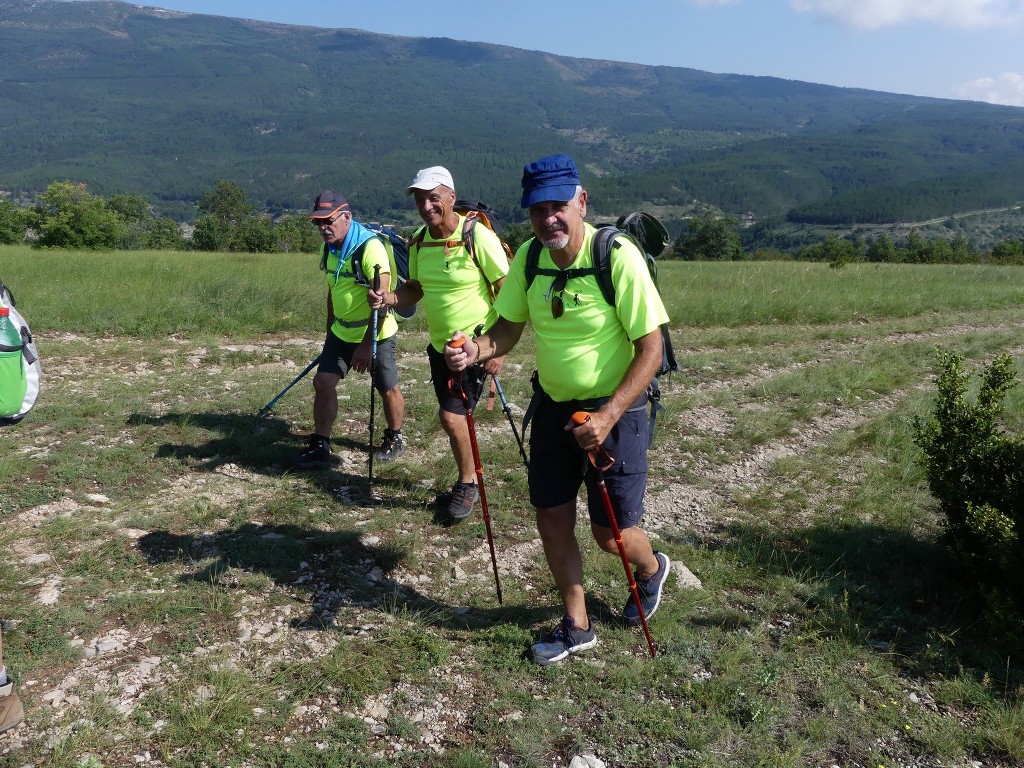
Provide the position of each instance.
(455, 297)
(584, 353)
(349, 297)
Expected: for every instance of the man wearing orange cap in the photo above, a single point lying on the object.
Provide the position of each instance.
(349, 330)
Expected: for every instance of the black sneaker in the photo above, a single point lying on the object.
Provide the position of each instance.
(463, 497)
(565, 639)
(316, 456)
(390, 448)
(649, 591)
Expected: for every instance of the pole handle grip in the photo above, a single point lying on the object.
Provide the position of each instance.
(599, 457)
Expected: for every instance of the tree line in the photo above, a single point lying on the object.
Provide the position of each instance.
(67, 215)
(718, 238)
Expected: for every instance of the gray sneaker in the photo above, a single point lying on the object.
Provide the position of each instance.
(11, 711)
(565, 639)
(649, 591)
(390, 448)
(464, 496)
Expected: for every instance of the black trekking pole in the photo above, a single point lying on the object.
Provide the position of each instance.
(511, 421)
(373, 374)
(457, 383)
(295, 381)
(602, 461)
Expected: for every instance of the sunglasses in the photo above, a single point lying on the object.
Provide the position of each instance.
(554, 295)
(326, 222)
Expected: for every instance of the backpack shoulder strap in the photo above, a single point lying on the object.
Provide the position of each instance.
(357, 262)
(469, 226)
(600, 250)
(532, 260)
(417, 238)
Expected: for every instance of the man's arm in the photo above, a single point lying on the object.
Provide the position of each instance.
(645, 364)
(497, 342)
(361, 358)
(407, 294)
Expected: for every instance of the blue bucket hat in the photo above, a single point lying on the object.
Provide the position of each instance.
(551, 178)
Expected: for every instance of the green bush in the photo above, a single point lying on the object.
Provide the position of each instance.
(976, 471)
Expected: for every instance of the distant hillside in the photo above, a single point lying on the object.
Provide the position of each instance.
(135, 99)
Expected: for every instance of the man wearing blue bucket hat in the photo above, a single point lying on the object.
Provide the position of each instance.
(592, 358)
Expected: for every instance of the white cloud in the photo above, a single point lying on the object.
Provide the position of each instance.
(1008, 89)
(873, 14)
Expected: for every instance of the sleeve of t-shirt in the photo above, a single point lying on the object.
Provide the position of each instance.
(637, 301)
(490, 253)
(511, 302)
(375, 254)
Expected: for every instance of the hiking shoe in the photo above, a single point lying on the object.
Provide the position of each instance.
(391, 446)
(463, 497)
(649, 591)
(316, 456)
(11, 711)
(565, 639)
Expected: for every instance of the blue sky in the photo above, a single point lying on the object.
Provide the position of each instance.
(961, 49)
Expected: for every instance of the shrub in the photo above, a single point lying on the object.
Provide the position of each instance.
(976, 471)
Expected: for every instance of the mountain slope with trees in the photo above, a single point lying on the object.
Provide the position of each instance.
(136, 100)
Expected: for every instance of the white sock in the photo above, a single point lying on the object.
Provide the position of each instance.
(3, 675)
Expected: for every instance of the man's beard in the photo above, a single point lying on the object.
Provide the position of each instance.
(556, 242)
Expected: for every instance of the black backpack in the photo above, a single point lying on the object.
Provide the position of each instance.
(650, 237)
(398, 253)
(646, 233)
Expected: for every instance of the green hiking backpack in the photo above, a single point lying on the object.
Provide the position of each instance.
(19, 363)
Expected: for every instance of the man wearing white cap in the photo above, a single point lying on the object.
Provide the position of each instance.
(455, 285)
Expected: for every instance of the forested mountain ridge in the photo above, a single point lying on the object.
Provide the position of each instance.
(133, 99)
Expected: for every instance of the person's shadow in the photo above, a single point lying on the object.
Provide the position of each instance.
(334, 570)
(261, 444)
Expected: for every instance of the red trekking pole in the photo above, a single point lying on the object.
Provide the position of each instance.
(457, 384)
(602, 461)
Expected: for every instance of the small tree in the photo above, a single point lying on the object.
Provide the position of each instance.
(296, 234)
(67, 216)
(13, 223)
(137, 214)
(976, 471)
(165, 235)
(710, 238)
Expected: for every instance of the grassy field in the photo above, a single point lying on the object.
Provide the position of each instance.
(173, 595)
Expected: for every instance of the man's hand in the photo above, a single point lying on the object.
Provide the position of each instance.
(362, 357)
(376, 299)
(460, 352)
(591, 434)
(493, 366)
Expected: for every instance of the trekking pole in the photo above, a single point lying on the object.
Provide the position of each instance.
(511, 421)
(504, 406)
(602, 461)
(373, 375)
(295, 381)
(457, 382)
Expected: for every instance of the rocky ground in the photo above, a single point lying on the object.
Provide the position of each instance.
(117, 662)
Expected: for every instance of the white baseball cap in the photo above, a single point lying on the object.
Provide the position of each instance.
(429, 178)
